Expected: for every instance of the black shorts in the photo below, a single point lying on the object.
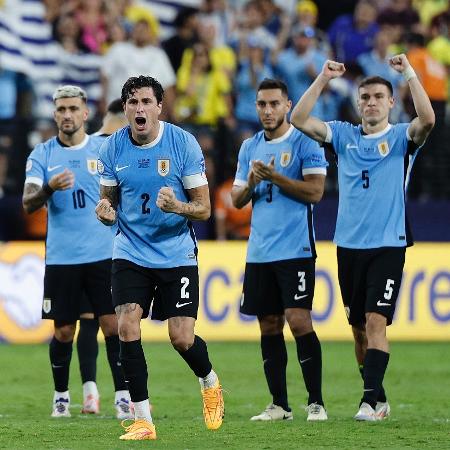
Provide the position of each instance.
(370, 281)
(270, 288)
(68, 287)
(169, 292)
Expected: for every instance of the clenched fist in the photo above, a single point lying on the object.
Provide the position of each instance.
(105, 212)
(167, 201)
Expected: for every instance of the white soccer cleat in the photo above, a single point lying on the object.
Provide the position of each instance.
(124, 409)
(316, 412)
(91, 405)
(273, 412)
(382, 410)
(61, 408)
(366, 413)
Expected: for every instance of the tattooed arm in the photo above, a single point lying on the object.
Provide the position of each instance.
(106, 208)
(199, 207)
(35, 197)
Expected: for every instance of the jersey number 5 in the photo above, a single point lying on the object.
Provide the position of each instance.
(365, 178)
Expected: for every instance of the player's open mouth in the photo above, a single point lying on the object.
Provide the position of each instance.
(140, 122)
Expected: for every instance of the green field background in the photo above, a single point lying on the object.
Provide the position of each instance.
(417, 383)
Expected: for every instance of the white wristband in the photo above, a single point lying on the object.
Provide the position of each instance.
(409, 73)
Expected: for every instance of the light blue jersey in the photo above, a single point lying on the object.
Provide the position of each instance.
(282, 226)
(74, 235)
(148, 236)
(373, 173)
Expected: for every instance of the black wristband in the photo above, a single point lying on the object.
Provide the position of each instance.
(47, 189)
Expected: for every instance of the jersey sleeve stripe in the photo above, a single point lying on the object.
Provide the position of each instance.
(238, 182)
(106, 182)
(315, 171)
(329, 136)
(34, 180)
(193, 181)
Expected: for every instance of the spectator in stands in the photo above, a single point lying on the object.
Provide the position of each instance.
(433, 76)
(186, 35)
(307, 15)
(350, 35)
(68, 33)
(203, 92)
(253, 68)
(251, 23)
(376, 63)
(439, 45)
(299, 64)
(90, 16)
(134, 57)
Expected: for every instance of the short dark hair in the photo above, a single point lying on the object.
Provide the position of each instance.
(377, 80)
(135, 83)
(116, 106)
(270, 83)
(183, 16)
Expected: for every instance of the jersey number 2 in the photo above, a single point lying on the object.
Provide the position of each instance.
(146, 198)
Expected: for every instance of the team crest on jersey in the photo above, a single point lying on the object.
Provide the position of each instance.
(92, 166)
(383, 148)
(285, 159)
(47, 305)
(163, 167)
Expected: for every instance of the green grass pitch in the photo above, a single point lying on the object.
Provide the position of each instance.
(417, 384)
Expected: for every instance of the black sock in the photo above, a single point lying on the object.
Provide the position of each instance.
(382, 395)
(375, 363)
(197, 358)
(275, 358)
(113, 354)
(309, 355)
(60, 356)
(87, 347)
(134, 368)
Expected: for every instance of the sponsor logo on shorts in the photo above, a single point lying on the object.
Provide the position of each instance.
(180, 305)
(299, 297)
(380, 303)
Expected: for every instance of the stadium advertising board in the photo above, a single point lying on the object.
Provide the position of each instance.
(423, 309)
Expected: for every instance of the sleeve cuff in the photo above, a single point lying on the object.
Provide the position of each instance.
(315, 171)
(107, 182)
(329, 136)
(194, 181)
(34, 180)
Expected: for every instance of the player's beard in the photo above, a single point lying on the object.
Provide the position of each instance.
(70, 132)
(275, 127)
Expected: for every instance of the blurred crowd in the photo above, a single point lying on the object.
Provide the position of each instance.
(210, 59)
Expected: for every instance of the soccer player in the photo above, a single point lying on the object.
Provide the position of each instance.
(62, 174)
(282, 172)
(153, 184)
(372, 233)
(87, 345)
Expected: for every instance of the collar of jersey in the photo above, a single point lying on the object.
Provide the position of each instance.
(155, 141)
(78, 146)
(376, 135)
(282, 138)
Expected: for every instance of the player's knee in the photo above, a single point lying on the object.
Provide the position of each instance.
(129, 330)
(375, 326)
(359, 334)
(65, 333)
(271, 325)
(181, 342)
(108, 324)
